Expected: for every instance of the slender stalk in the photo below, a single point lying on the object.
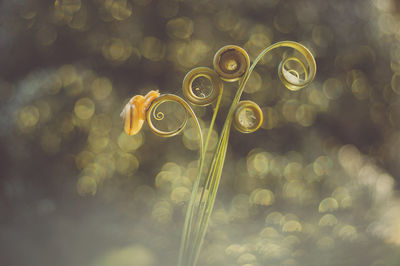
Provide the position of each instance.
(198, 214)
(152, 112)
(190, 214)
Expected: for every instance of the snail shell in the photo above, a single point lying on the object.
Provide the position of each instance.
(134, 112)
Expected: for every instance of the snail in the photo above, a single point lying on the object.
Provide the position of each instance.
(134, 112)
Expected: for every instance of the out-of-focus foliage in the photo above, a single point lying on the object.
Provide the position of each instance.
(316, 185)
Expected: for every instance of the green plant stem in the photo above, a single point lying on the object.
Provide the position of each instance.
(190, 214)
(193, 239)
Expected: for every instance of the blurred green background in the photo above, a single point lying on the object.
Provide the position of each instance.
(316, 185)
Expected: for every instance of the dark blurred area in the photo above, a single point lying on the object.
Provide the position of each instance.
(316, 185)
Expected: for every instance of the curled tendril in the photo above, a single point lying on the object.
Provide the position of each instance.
(158, 115)
(202, 77)
(290, 77)
(294, 72)
(231, 62)
(248, 117)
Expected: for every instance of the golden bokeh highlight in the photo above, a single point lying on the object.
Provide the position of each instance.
(333, 88)
(126, 164)
(135, 254)
(165, 179)
(322, 165)
(79, 21)
(273, 218)
(171, 177)
(328, 205)
(343, 197)
(287, 192)
(84, 108)
(360, 86)
(130, 143)
(293, 171)
(162, 212)
(350, 158)
(292, 226)
(305, 115)
(101, 124)
(191, 138)
(258, 163)
(246, 259)
(101, 88)
(180, 28)
(295, 191)
(346, 232)
(68, 76)
(263, 197)
(180, 194)
(28, 117)
(233, 250)
(271, 118)
(87, 186)
(70, 6)
(189, 54)
(117, 50)
(98, 143)
(153, 48)
(83, 159)
(225, 19)
(270, 233)
(289, 109)
(317, 98)
(328, 220)
(120, 9)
